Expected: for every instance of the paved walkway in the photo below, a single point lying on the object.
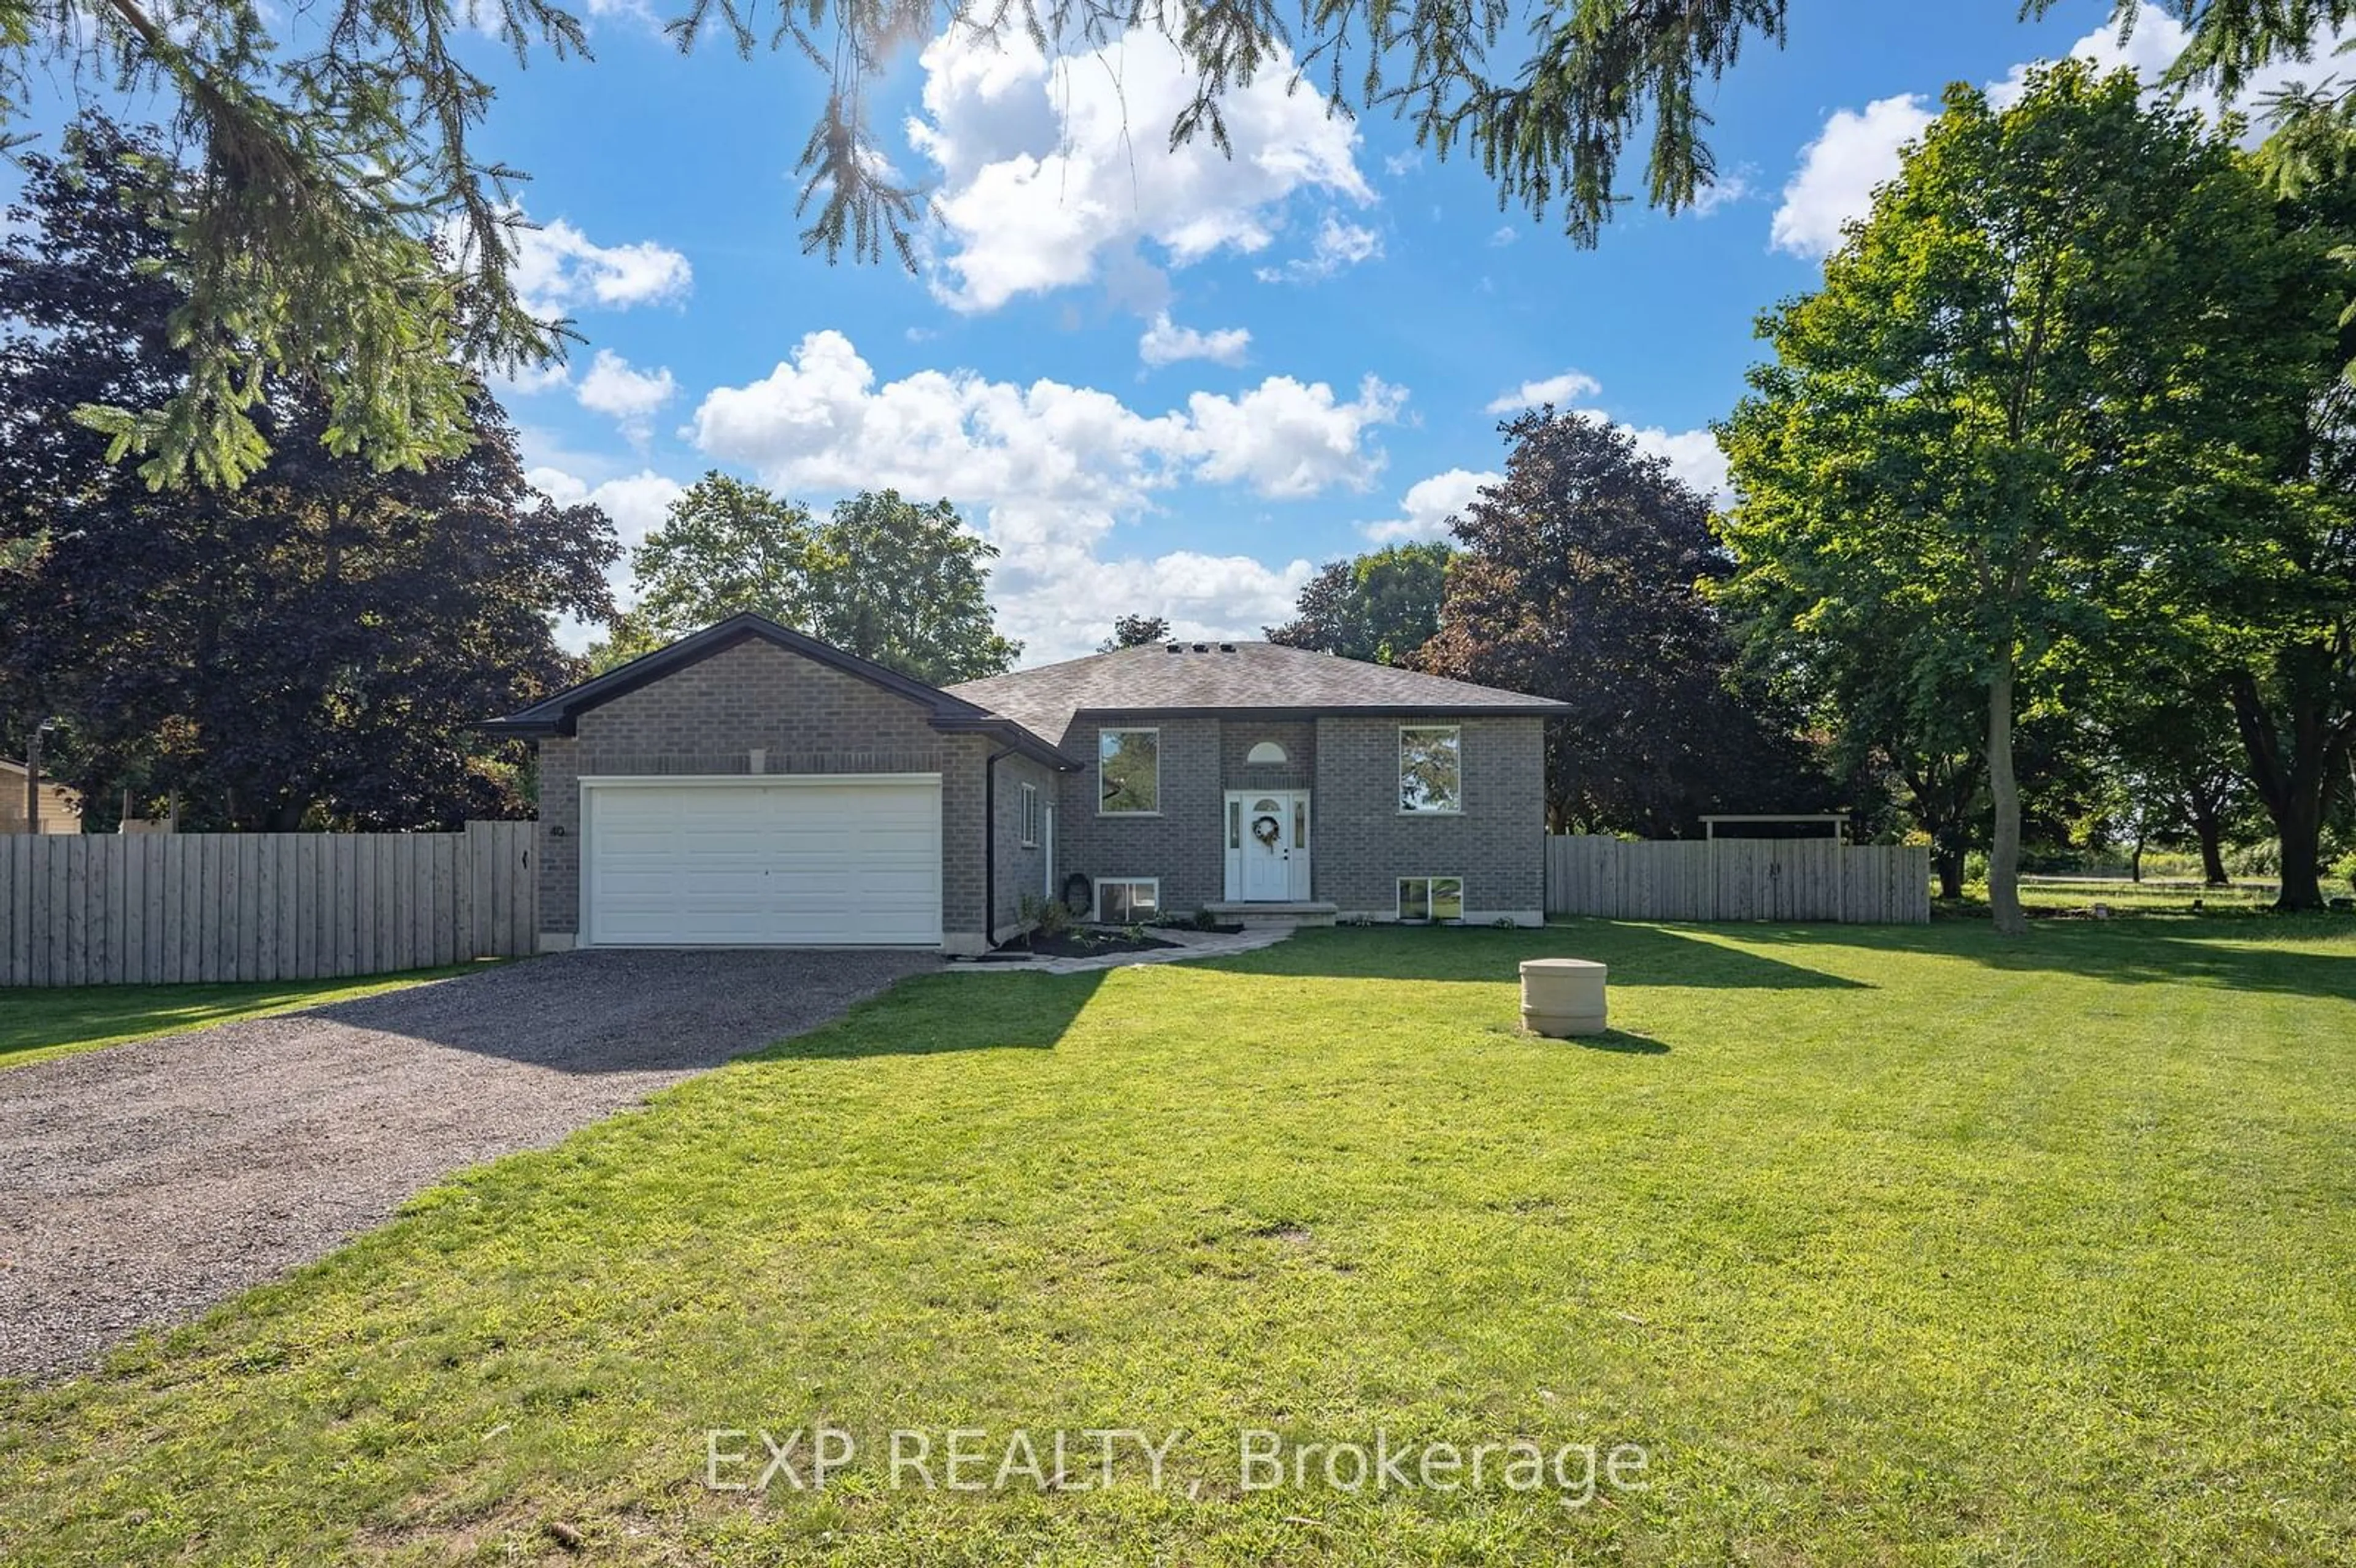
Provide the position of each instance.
(147, 1181)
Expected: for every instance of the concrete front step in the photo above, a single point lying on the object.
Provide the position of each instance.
(1275, 914)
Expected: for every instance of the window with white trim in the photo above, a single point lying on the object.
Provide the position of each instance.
(1430, 900)
(1029, 798)
(1432, 768)
(1128, 773)
(1128, 901)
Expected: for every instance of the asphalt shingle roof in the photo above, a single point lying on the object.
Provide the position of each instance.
(1254, 676)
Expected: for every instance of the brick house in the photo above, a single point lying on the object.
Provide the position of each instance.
(752, 785)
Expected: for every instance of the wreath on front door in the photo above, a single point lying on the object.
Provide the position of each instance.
(1268, 830)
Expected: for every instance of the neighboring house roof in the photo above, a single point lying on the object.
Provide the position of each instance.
(560, 714)
(1201, 679)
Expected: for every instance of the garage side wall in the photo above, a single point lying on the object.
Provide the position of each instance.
(755, 703)
(1022, 864)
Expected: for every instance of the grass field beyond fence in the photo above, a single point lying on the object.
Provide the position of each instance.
(1898, 1244)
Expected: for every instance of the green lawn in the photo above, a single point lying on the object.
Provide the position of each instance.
(1887, 1245)
(39, 1022)
(2077, 895)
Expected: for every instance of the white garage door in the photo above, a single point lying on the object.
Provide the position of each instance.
(762, 863)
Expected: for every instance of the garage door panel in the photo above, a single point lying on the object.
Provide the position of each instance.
(767, 864)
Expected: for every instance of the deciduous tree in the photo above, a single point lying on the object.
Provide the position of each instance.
(318, 645)
(2034, 368)
(1578, 579)
(903, 584)
(906, 584)
(1135, 632)
(1383, 606)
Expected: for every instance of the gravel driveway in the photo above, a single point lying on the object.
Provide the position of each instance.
(142, 1183)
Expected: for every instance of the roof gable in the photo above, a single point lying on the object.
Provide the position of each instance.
(1217, 678)
(560, 714)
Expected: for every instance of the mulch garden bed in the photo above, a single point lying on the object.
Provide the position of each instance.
(1082, 945)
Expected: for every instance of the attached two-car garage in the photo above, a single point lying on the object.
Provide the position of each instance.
(762, 860)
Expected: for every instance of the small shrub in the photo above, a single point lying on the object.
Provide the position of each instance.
(2263, 859)
(1045, 917)
(1206, 920)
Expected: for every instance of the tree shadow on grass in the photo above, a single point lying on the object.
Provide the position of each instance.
(1637, 954)
(2291, 955)
(675, 1011)
(934, 1014)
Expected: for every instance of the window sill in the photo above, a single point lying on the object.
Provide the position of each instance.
(1458, 812)
(1116, 816)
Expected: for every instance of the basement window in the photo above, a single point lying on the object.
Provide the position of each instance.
(1428, 900)
(1128, 901)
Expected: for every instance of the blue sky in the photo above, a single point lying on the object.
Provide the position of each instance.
(1161, 383)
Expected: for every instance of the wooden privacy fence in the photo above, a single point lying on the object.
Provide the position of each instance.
(100, 910)
(1737, 878)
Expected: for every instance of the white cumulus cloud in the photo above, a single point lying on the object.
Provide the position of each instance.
(1692, 456)
(1055, 174)
(559, 269)
(1428, 505)
(1724, 191)
(628, 397)
(1337, 245)
(1856, 151)
(1287, 438)
(1166, 342)
(636, 503)
(1557, 390)
(1054, 470)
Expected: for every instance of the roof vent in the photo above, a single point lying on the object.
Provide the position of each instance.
(1226, 648)
(1201, 648)
(1177, 648)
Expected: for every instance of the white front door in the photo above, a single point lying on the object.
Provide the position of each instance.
(1267, 846)
(1268, 849)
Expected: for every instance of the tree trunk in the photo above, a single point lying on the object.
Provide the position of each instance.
(2300, 825)
(2209, 827)
(2290, 787)
(2212, 853)
(2134, 861)
(1950, 865)
(2004, 794)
